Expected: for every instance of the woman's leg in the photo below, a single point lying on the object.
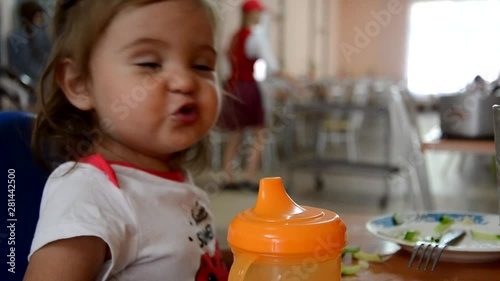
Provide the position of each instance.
(230, 152)
(255, 155)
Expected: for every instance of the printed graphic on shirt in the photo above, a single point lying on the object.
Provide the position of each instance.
(205, 232)
(199, 213)
(212, 268)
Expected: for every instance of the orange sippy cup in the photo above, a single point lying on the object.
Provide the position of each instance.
(280, 240)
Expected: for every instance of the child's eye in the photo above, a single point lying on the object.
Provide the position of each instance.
(203, 67)
(150, 65)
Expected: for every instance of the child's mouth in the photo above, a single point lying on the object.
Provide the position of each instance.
(187, 114)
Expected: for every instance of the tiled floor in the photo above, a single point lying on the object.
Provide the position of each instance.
(458, 183)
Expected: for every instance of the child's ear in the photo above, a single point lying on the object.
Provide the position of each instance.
(74, 86)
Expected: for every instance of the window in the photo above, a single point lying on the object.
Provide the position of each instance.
(450, 42)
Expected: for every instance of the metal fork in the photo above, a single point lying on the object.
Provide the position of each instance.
(447, 239)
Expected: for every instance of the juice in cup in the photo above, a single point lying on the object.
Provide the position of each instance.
(280, 240)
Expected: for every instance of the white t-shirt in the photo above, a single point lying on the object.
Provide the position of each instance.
(257, 47)
(156, 228)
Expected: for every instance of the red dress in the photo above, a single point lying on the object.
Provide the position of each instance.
(242, 105)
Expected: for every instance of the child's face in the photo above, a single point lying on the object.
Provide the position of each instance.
(152, 78)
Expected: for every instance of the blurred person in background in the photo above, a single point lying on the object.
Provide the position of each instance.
(29, 45)
(243, 104)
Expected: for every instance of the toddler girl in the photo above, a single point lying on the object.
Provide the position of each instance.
(128, 98)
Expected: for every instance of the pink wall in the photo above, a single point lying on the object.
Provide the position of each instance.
(373, 38)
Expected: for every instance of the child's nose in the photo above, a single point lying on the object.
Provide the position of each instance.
(181, 80)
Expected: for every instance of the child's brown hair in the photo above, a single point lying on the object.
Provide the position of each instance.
(63, 132)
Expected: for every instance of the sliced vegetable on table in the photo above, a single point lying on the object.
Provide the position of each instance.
(476, 235)
(359, 259)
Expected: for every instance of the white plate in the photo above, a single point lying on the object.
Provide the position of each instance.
(467, 251)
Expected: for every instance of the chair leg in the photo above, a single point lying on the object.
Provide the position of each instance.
(276, 159)
(321, 143)
(289, 182)
(463, 158)
(301, 133)
(319, 184)
(352, 147)
(448, 163)
(270, 155)
(273, 153)
(384, 200)
(419, 184)
(216, 158)
(216, 152)
(267, 156)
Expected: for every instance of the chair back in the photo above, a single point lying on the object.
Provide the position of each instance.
(15, 92)
(21, 197)
(360, 97)
(496, 124)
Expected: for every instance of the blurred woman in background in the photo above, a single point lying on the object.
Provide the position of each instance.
(29, 46)
(243, 107)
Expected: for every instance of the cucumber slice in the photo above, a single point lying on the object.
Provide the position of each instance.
(364, 264)
(444, 225)
(397, 219)
(446, 220)
(484, 236)
(412, 236)
(376, 257)
(350, 250)
(350, 269)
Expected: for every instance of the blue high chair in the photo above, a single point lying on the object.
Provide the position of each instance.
(20, 199)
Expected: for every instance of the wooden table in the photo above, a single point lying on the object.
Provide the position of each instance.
(434, 141)
(396, 267)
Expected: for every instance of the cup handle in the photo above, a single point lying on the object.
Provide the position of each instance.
(240, 266)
